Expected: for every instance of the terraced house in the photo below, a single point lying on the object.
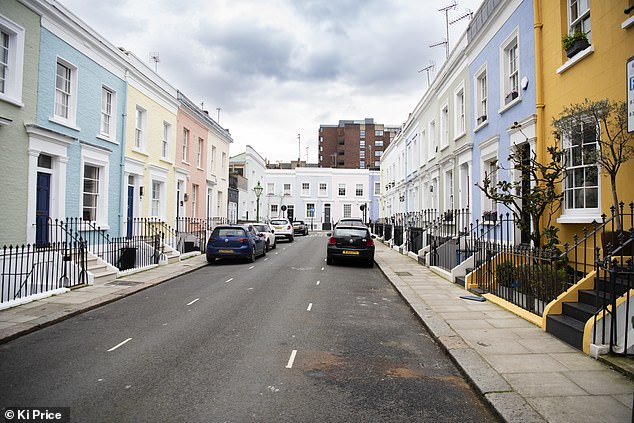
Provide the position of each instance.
(539, 240)
(108, 166)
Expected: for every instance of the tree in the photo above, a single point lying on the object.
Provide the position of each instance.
(615, 145)
(534, 194)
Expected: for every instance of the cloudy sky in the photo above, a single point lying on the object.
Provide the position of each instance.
(279, 68)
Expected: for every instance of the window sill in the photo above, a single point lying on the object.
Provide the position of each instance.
(166, 160)
(142, 152)
(482, 125)
(67, 124)
(580, 218)
(576, 59)
(460, 135)
(510, 104)
(107, 139)
(11, 100)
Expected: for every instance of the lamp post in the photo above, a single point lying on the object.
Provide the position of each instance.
(258, 191)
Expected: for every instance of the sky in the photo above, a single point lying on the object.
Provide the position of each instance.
(278, 69)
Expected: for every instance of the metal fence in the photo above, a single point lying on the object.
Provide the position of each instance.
(29, 270)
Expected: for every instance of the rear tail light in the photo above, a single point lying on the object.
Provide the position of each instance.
(213, 239)
(369, 243)
(243, 239)
(289, 227)
(332, 241)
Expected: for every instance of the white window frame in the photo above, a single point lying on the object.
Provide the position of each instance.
(570, 185)
(377, 188)
(481, 97)
(194, 200)
(444, 126)
(185, 145)
(341, 189)
(96, 157)
(270, 188)
(305, 189)
(488, 155)
(310, 214)
(347, 210)
(287, 189)
(69, 92)
(510, 70)
(14, 70)
(358, 190)
(199, 156)
(460, 126)
(140, 125)
(323, 189)
(433, 147)
(165, 140)
(579, 17)
(108, 113)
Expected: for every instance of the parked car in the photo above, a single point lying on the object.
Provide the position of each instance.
(350, 243)
(283, 228)
(235, 241)
(264, 230)
(351, 221)
(299, 227)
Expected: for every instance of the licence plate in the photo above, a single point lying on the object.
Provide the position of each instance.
(225, 251)
(354, 253)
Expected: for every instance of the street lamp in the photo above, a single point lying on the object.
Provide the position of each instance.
(258, 191)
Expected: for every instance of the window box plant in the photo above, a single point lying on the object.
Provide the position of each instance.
(574, 43)
(490, 216)
(510, 96)
(482, 119)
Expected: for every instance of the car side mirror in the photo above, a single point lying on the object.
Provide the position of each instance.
(328, 233)
(272, 231)
(373, 236)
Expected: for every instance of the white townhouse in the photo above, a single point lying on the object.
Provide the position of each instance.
(428, 164)
(321, 196)
(252, 167)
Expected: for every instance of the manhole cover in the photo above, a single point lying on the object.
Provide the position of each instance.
(403, 274)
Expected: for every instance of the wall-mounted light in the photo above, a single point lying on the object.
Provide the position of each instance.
(141, 192)
(185, 197)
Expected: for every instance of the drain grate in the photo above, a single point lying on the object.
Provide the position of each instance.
(403, 274)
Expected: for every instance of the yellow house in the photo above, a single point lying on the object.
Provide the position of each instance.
(150, 137)
(596, 71)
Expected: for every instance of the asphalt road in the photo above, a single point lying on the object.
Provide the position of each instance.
(285, 339)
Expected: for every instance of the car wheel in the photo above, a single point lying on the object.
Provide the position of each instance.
(268, 245)
(211, 260)
(291, 238)
(371, 263)
(274, 244)
(252, 256)
(264, 250)
(328, 260)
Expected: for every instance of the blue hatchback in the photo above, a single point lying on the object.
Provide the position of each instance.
(235, 241)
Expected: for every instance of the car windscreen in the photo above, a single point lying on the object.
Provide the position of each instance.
(229, 232)
(261, 228)
(351, 232)
(279, 222)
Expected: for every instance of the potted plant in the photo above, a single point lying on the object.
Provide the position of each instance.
(510, 96)
(574, 43)
(490, 216)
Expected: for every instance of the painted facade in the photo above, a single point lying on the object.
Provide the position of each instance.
(320, 196)
(596, 73)
(502, 93)
(18, 100)
(76, 145)
(150, 146)
(252, 167)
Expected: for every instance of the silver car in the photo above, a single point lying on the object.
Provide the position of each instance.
(268, 233)
(283, 228)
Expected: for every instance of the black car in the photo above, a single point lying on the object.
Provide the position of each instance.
(353, 243)
(235, 241)
(299, 227)
(350, 221)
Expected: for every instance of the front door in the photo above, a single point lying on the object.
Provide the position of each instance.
(526, 188)
(42, 208)
(326, 223)
(130, 210)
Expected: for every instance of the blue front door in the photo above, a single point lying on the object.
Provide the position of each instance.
(42, 208)
(130, 209)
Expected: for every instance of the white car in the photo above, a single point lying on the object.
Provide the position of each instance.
(268, 233)
(283, 228)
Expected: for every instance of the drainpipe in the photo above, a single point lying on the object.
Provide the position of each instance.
(123, 192)
(540, 145)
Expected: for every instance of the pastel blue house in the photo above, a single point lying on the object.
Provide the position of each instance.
(502, 96)
(76, 146)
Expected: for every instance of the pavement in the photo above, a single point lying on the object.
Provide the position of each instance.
(524, 373)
